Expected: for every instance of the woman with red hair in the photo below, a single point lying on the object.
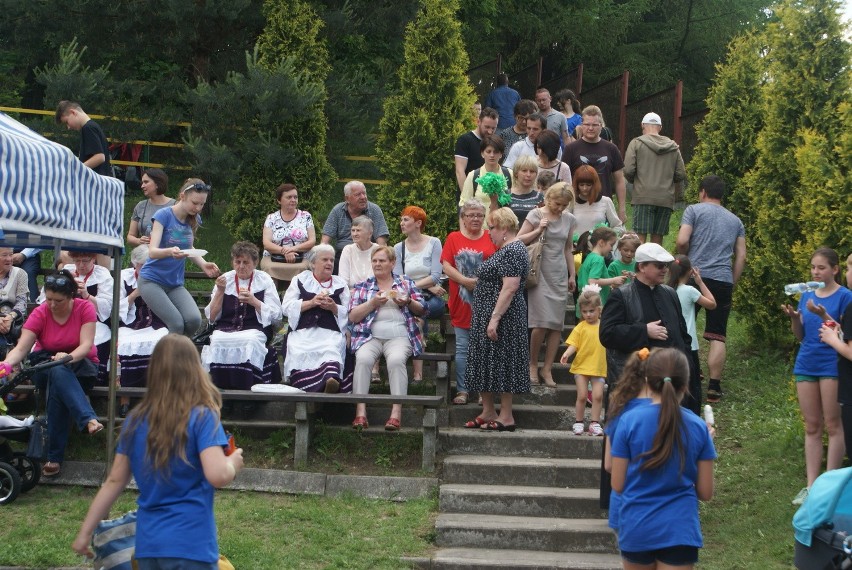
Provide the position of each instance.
(418, 257)
(590, 207)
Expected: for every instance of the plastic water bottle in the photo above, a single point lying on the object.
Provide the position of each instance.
(795, 288)
(708, 415)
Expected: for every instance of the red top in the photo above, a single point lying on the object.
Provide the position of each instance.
(466, 255)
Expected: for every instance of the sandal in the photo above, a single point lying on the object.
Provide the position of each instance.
(51, 469)
(714, 395)
(360, 423)
(475, 423)
(392, 424)
(495, 425)
(375, 378)
(94, 426)
(460, 399)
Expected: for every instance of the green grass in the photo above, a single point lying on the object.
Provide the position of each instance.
(760, 466)
(256, 530)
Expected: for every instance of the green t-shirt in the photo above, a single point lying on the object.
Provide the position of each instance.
(616, 267)
(594, 267)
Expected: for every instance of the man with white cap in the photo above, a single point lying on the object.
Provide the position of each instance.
(654, 165)
(645, 313)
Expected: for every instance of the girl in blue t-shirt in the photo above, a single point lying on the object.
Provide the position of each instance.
(815, 370)
(174, 446)
(662, 464)
(161, 279)
(631, 391)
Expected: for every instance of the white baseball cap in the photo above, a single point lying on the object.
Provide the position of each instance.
(652, 119)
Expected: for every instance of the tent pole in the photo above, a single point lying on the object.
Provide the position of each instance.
(115, 255)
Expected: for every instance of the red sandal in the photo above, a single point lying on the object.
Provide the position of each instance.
(392, 424)
(360, 423)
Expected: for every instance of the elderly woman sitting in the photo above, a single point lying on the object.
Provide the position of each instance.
(354, 264)
(140, 328)
(13, 300)
(245, 307)
(316, 306)
(383, 310)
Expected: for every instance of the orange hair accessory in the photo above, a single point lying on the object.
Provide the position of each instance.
(643, 353)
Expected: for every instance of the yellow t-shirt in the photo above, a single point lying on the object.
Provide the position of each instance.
(590, 359)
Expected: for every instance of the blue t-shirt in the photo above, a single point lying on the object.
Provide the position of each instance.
(659, 507)
(610, 431)
(169, 271)
(175, 518)
(816, 358)
(572, 122)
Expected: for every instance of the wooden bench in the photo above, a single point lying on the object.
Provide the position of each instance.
(306, 402)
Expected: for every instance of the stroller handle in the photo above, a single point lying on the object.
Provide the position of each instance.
(7, 387)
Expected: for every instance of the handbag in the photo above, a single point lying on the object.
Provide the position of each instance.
(202, 337)
(535, 250)
(114, 542)
(37, 445)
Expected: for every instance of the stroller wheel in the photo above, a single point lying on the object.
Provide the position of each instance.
(10, 483)
(28, 470)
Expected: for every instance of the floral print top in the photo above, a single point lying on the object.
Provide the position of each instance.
(293, 232)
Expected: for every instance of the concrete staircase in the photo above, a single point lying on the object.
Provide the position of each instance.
(523, 499)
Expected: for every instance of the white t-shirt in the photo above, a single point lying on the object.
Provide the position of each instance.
(688, 296)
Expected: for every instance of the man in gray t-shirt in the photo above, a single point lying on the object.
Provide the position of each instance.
(711, 236)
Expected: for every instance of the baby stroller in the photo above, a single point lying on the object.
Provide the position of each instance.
(18, 472)
(823, 524)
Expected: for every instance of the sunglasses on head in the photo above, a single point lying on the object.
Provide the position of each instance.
(198, 187)
(60, 280)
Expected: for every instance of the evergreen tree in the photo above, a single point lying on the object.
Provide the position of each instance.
(727, 135)
(793, 205)
(423, 120)
(265, 127)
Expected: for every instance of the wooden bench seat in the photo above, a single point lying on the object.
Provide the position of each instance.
(306, 402)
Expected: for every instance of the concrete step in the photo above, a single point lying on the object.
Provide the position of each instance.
(565, 393)
(475, 559)
(530, 416)
(520, 443)
(528, 471)
(519, 533)
(521, 501)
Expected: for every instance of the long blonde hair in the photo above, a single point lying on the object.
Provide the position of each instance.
(177, 384)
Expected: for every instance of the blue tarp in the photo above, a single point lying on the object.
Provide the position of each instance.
(47, 196)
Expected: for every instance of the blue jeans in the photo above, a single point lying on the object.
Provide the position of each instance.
(435, 308)
(174, 564)
(462, 341)
(66, 400)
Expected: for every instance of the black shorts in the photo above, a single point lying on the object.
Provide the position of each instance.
(673, 556)
(716, 326)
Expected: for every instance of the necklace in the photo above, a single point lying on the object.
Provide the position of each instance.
(323, 285)
(237, 284)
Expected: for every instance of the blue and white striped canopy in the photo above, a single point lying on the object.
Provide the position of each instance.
(48, 197)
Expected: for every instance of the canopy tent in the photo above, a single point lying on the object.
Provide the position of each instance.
(49, 199)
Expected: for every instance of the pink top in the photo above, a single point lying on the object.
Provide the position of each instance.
(54, 337)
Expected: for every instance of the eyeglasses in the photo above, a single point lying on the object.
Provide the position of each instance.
(660, 265)
(491, 228)
(59, 280)
(475, 216)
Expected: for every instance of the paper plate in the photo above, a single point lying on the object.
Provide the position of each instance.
(195, 252)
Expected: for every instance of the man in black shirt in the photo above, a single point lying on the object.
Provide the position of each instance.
(94, 150)
(467, 153)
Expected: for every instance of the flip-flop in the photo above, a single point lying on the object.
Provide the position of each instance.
(495, 425)
(51, 469)
(475, 423)
(98, 427)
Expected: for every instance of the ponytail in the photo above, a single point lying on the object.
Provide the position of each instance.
(629, 384)
(667, 373)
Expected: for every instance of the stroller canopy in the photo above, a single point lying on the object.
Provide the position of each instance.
(829, 499)
(48, 197)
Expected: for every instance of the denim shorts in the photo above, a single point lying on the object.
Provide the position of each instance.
(672, 555)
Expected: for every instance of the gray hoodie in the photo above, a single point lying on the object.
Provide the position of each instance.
(654, 165)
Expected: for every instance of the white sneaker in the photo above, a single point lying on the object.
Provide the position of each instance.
(579, 428)
(800, 496)
(595, 429)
